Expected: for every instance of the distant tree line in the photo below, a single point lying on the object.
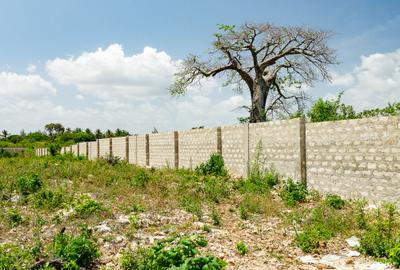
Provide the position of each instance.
(56, 133)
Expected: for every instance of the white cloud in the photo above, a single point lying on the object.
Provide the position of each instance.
(16, 86)
(375, 82)
(110, 74)
(342, 80)
(31, 68)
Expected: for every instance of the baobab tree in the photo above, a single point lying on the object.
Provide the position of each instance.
(272, 62)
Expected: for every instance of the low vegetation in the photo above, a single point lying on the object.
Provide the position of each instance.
(56, 204)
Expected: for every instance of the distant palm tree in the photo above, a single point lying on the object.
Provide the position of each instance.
(4, 134)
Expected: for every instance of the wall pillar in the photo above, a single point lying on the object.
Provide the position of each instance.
(127, 149)
(147, 150)
(98, 148)
(219, 140)
(110, 148)
(303, 164)
(176, 149)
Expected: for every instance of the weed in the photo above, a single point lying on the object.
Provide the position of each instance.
(206, 228)
(241, 248)
(77, 251)
(29, 184)
(215, 189)
(394, 255)
(140, 179)
(216, 218)
(214, 166)
(172, 253)
(360, 214)
(13, 257)
(47, 199)
(86, 206)
(192, 204)
(253, 204)
(334, 201)
(14, 217)
(110, 159)
(137, 208)
(293, 193)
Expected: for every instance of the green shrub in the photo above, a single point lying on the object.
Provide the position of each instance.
(172, 253)
(140, 179)
(13, 257)
(257, 182)
(54, 149)
(29, 184)
(242, 248)
(293, 193)
(360, 214)
(309, 239)
(334, 201)
(86, 206)
(380, 236)
(215, 216)
(47, 199)
(215, 188)
(7, 154)
(14, 217)
(193, 204)
(251, 204)
(111, 160)
(394, 255)
(214, 166)
(77, 251)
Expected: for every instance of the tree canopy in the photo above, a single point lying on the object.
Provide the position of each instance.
(270, 61)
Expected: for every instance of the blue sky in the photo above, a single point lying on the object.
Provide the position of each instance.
(36, 33)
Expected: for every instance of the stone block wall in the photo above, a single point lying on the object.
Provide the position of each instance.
(355, 158)
(352, 158)
(82, 149)
(74, 149)
(119, 147)
(235, 142)
(278, 145)
(104, 147)
(132, 149)
(141, 150)
(92, 150)
(162, 151)
(196, 146)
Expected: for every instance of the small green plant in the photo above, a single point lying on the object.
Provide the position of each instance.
(111, 160)
(14, 217)
(140, 179)
(214, 166)
(216, 218)
(137, 208)
(244, 213)
(394, 255)
(380, 236)
(78, 251)
(215, 188)
(360, 214)
(293, 193)
(85, 206)
(29, 184)
(335, 201)
(172, 253)
(193, 204)
(13, 257)
(241, 248)
(253, 204)
(47, 199)
(206, 228)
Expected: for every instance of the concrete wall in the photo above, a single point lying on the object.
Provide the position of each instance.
(92, 150)
(119, 147)
(355, 158)
(278, 144)
(196, 146)
(82, 149)
(352, 158)
(162, 151)
(74, 149)
(104, 147)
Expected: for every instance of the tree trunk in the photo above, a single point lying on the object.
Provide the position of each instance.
(258, 100)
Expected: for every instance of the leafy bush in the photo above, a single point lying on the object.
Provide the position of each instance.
(141, 178)
(242, 248)
(322, 223)
(54, 149)
(257, 183)
(172, 253)
(48, 199)
(380, 236)
(215, 188)
(193, 204)
(252, 204)
(394, 255)
(111, 160)
(293, 193)
(7, 154)
(29, 184)
(214, 166)
(334, 201)
(86, 206)
(13, 257)
(14, 217)
(77, 251)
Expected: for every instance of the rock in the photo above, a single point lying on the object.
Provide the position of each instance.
(102, 228)
(330, 258)
(352, 253)
(353, 242)
(123, 219)
(378, 266)
(119, 239)
(15, 198)
(308, 259)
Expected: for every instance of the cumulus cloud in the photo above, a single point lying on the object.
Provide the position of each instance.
(31, 68)
(110, 74)
(16, 86)
(374, 82)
